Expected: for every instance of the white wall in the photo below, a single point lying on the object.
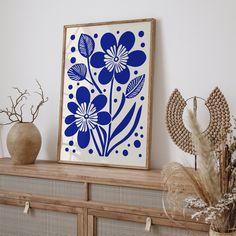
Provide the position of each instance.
(196, 51)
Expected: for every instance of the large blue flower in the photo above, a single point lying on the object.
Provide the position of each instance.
(117, 57)
(86, 115)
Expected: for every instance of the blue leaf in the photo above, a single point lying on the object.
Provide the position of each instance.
(86, 45)
(122, 103)
(77, 72)
(130, 132)
(135, 86)
(122, 125)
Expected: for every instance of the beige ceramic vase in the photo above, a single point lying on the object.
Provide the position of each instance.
(24, 143)
(213, 233)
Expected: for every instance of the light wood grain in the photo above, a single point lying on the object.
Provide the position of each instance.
(80, 173)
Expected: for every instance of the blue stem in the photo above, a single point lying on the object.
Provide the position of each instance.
(96, 145)
(130, 132)
(88, 81)
(99, 90)
(110, 111)
(101, 141)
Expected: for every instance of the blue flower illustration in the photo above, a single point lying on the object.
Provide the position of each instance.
(86, 116)
(117, 57)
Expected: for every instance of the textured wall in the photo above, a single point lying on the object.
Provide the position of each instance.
(196, 51)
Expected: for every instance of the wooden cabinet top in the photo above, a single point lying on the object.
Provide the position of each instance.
(150, 179)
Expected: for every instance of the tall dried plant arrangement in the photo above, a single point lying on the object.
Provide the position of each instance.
(213, 197)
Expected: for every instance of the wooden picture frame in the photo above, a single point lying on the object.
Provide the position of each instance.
(106, 94)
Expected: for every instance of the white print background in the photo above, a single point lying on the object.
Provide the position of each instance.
(82, 155)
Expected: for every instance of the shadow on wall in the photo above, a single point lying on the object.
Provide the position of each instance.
(160, 151)
(51, 142)
(1, 144)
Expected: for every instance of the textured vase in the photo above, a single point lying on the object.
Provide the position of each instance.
(213, 233)
(23, 143)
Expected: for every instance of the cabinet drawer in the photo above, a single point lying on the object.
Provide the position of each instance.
(13, 222)
(52, 188)
(111, 227)
(126, 195)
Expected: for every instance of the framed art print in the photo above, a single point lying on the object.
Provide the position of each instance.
(105, 115)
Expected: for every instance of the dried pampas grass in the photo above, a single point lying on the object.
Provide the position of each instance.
(201, 190)
(207, 169)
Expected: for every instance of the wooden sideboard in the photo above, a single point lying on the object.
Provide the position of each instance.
(74, 200)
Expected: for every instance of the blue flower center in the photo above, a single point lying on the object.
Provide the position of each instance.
(86, 116)
(116, 59)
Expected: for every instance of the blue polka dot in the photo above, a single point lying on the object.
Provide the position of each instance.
(73, 60)
(137, 143)
(128, 145)
(71, 96)
(117, 151)
(71, 143)
(115, 100)
(72, 37)
(142, 98)
(95, 73)
(67, 149)
(141, 135)
(136, 134)
(74, 151)
(125, 153)
(141, 34)
(72, 49)
(104, 90)
(142, 45)
(95, 36)
(117, 32)
(135, 72)
(140, 155)
(92, 90)
(70, 87)
(90, 151)
(118, 88)
(141, 127)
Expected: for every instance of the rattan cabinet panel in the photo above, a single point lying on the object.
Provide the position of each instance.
(53, 188)
(128, 196)
(13, 222)
(110, 227)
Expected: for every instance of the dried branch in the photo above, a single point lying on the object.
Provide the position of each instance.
(15, 114)
(35, 112)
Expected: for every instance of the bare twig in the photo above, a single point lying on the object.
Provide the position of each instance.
(35, 112)
(15, 113)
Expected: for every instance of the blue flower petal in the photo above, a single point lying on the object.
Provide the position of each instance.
(83, 95)
(99, 102)
(127, 39)
(83, 138)
(70, 119)
(97, 60)
(108, 40)
(123, 76)
(72, 107)
(136, 58)
(104, 118)
(105, 76)
(71, 130)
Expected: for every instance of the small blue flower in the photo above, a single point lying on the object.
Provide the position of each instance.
(117, 57)
(86, 116)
